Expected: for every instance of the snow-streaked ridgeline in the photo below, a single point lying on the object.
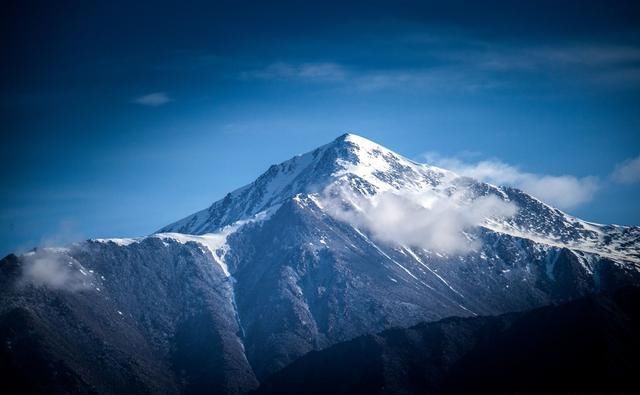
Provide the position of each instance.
(346, 240)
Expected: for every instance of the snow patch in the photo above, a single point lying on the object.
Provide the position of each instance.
(216, 243)
(119, 241)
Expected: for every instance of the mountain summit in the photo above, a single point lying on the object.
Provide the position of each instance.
(346, 240)
(369, 167)
(361, 168)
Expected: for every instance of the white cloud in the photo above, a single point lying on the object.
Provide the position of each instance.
(627, 172)
(530, 58)
(323, 72)
(433, 78)
(464, 64)
(153, 99)
(564, 191)
(424, 220)
(49, 266)
(48, 269)
(482, 66)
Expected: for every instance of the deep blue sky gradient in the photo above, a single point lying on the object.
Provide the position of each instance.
(551, 87)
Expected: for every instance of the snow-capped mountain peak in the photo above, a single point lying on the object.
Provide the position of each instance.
(365, 169)
(349, 160)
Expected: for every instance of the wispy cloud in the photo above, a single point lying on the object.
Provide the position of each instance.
(367, 79)
(53, 270)
(153, 99)
(489, 66)
(562, 191)
(463, 64)
(627, 172)
(323, 72)
(50, 266)
(498, 57)
(424, 220)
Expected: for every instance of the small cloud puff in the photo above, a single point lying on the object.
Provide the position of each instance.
(153, 99)
(627, 172)
(316, 72)
(48, 269)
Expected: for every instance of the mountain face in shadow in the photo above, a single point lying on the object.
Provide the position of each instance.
(159, 318)
(584, 345)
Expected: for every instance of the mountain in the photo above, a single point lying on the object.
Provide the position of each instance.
(366, 169)
(151, 317)
(583, 345)
(346, 240)
(322, 280)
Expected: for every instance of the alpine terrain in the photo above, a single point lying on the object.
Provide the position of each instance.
(347, 240)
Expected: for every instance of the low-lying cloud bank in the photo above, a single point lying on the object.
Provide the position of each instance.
(422, 220)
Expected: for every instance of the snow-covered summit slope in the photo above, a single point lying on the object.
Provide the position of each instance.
(366, 166)
(365, 169)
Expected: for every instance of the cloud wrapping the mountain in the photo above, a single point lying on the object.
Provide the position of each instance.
(564, 191)
(423, 220)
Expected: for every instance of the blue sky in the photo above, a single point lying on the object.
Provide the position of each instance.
(118, 119)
